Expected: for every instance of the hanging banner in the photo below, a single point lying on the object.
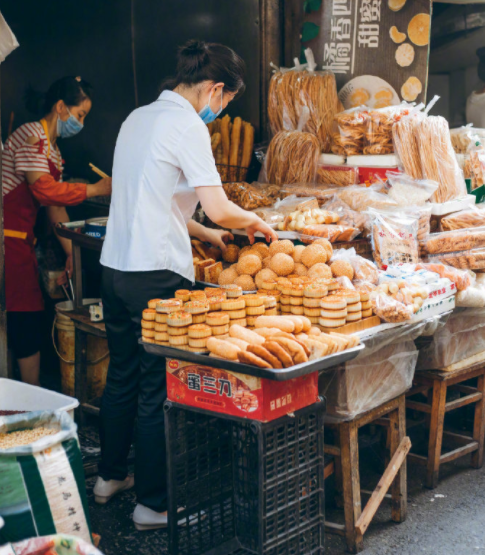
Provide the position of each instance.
(378, 49)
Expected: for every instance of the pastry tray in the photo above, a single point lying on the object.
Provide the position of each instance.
(279, 375)
(214, 285)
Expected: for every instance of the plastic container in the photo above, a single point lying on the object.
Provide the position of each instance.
(21, 396)
(259, 487)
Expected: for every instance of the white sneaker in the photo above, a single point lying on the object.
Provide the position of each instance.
(104, 490)
(147, 519)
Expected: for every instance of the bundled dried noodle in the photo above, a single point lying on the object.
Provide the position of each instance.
(406, 145)
(348, 139)
(378, 133)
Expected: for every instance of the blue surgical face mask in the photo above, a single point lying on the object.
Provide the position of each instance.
(207, 114)
(68, 128)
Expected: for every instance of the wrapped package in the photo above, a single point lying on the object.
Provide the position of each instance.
(471, 217)
(378, 130)
(361, 198)
(394, 238)
(346, 215)
(365, 271)
(340, 176)
(381, 372)
(389, 309)
(406, 144)
(456, 240)
(474, 167)
(59, 544)
(463, 137)
(407, 191)
(462, 337)
(349, 131)
(333, 233)
(44, 479)
(252, 196)
(462, 279)
(473, 297)
(438, 159)
(304, 217)
(473, 259)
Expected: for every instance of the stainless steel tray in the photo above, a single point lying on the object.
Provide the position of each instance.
(279, 375)
(214, 285)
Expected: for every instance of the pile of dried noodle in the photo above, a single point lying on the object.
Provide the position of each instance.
(292, 91)
(438, 159)
(406, 145)
(348, 140)
(292, 158)
(378, 133)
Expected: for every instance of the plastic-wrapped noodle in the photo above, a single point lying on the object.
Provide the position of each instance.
(406, 145)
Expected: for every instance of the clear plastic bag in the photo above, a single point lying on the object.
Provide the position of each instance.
(474, 167)
(461, 279)
(361, 198)
(462, 337)
(390, 310)
(346, 215)
(378, 130)
(463, 137)
(340, 176)
(456, 240)
(473, 259)
(365, 271)
(252, 196)
(349, 131)
(407, 191)
(60, 544)
(406, 144)
(471, 217)
(394, 238)
(331, 232)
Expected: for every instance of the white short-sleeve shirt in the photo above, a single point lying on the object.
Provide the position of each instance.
(163, 152)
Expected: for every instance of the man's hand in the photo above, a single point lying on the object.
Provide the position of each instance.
(218, 237)
(269, 233)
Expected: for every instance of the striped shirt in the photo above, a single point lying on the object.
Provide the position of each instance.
(19, 157)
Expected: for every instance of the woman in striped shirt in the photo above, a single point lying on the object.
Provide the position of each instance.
(32, 177)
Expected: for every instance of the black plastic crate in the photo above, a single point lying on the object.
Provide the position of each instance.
(250, 487)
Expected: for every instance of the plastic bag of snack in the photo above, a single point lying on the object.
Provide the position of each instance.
(365, 271)
(251, 196)
(424, 223)
(269, 215)
(471, 217)
(474, 167)
(340, 176)
(463, 137)
(331, 232)
(456, 240)
(346, 214)
(349, 131)
(394, 237)
(473, 259)
(378, 129)
(390, 310)
(320, 192)
(407, 191)
(406, 143)
(361, 198)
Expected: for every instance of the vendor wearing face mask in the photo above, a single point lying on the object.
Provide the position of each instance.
(163, 166)
(32, 176)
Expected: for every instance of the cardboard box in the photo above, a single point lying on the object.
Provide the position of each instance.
(240, 395)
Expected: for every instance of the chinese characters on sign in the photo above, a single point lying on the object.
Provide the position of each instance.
(210, 385)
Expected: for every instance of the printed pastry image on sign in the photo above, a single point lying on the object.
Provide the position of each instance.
(378, 49)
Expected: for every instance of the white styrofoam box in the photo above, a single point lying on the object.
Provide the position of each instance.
(433, 308)
(373, 161)
(331, 160)
(442, 289)
(396, 273)
(440, 209)
(22, 396)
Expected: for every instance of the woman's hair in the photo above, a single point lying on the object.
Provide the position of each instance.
(72, 90)
(199, 61)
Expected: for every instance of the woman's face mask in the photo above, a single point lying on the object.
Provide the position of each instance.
(68, 128)
(206, 113)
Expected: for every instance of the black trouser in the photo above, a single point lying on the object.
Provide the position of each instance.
(135, 385)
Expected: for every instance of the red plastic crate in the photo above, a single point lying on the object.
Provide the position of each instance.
(240, 395)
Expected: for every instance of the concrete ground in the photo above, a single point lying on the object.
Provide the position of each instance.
(449, 520)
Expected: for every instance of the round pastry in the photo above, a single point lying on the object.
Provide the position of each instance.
(198, 343)
(320, 271)
(285, 308)
(300, 269)
(367, 313)
(178, 319)
(285, 246)
(161, 318)
(269, 284)
(313, 254)
(282, 264)
(199, 331)
(217, 318)
(333, 303)
(198, 318)
(331, 284)
(265, 275)
(244, 249)
(149, 314)
(249, 264)
(250, 321)
(324, 313)
(332, 322)
(153, 303)
(285, 299)
(177, 340)
(314, 320)
(197, 307)
(227, 277)
(246, 283)
(161, 336)
(237, 314)
(325, 243)
(240, 322)
(297, 290)
(342, 268)
(297, 253)
(161, 327)
(266, 262)
(354, 307)
(231, 254)
(220, 330)
(314, 312)
(271, 312)
(366, 305)
(296, 301)
(197, 295)
(297, 310)
(364, 296)
(262, 248)
(254, 300)
(148, 324)
(254, 253)
(199, 350)
(234, 304)
(255, 310)
(311, 303)
(350, 296)
(168, 306)
(270, 302)
(213, 291)
(178, 330)
(315, 291)
(232, 290)
(183, 294)
(354, 316)
(215, 302)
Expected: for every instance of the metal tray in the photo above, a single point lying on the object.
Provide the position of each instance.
(279, 375)
(214, 285)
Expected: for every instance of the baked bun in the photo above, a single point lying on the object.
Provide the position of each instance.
(266, 262)
(314, 254)
(244, 249)
(325, 243)
(262, 248)
(232, 253)
(285, 246)
(298, 252)
(250, 264)
(342, 268)
(264, 275)
(254, 253)
(227, 276)
(245, 282)
(320, 271)
(300, 269)
(282, 264)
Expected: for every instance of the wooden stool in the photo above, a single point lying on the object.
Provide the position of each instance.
(347, 475)
(436, 383)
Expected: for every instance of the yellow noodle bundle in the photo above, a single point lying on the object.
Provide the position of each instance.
(406, 145)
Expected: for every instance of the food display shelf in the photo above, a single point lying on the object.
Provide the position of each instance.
(282, 374)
